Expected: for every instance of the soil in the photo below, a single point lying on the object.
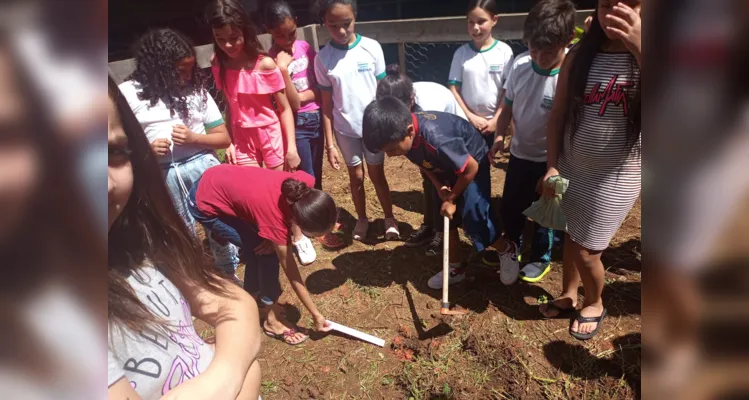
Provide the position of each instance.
(500, 349)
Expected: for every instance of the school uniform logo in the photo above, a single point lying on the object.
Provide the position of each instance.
(364, 67)
(547, 102)
(427, 165)
(495, 68)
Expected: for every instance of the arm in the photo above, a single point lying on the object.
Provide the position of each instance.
(327, 128)
(504, 116)
(215, 138)
(236, 321)
(294, 99)
(289, 130)
(464, 179)
(491, 126)
(479, 122)
(121, 390)
(555, 125)
(291, 270)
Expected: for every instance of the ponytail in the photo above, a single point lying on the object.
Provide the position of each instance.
(313, 210)
(396, 84)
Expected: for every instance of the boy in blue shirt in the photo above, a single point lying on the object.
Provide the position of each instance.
(453, 155)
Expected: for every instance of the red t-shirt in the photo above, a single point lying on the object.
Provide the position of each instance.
(250, 194)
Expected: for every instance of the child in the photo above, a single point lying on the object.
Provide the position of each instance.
(158, 280)
(594, 141)
(347, 71)
(250, 81)
(167, 92)
(295, 59)
(453, 154)
(529, 92)
(479, 69)
(258, 217)
(420, 96)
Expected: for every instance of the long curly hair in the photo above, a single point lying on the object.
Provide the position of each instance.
(156, 55)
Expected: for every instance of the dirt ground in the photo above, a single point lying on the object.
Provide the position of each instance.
(499, 350)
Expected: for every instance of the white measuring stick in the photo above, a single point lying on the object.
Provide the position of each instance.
(358, 334)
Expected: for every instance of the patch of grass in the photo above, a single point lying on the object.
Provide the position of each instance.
(268, 387)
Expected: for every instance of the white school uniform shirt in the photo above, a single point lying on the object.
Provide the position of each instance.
(157, 360)
(157, 121)
(480, 76)
(351, 74)
(530, 92)
(431, 96)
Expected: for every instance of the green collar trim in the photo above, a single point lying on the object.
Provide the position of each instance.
(485, 50)
(544, 72)
(343, 46)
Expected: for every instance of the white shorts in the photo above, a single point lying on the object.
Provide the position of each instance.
(352, 150)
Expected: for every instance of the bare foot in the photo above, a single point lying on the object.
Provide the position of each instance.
(592, 311)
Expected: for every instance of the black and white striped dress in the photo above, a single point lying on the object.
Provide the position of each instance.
(604, 172)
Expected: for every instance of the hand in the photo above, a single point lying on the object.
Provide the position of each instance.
(283, 59)
(205, 386)
(322, 325)
(478, 122)
(491, 126)
(265, 248)
(498, 147)
(548, 192)
(182, 135)
(292, 161)
(448, 209)
(625, 24)
(231, 154)
(161, 146)
(334, 158)
(444, 192)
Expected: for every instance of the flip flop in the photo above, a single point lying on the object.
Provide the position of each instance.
(581, 320)
(331, 241)
(562, 313)
(285, 336)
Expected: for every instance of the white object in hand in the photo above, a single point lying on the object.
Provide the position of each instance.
(358, 334)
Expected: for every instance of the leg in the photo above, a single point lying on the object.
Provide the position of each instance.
(377, 175)
(591, 271)
(474, 207)
(376, 167)
(513, 200)
(429, 192)
(570, 281)
(356, 182)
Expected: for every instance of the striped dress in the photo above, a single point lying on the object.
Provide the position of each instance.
(604, 175)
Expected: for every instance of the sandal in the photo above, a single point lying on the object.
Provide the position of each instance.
(331, 241)
(562, 312)
(582, 320)
(285, 336)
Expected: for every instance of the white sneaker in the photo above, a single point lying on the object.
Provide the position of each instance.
(456, 275)
(360, 230)
(391, 229)
(509, 268)
(305, 251)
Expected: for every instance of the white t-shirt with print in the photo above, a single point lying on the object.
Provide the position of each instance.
(154, 362)
(157, 121)
(351, 74)
(480, 75)
(530, 91)
(431, 96)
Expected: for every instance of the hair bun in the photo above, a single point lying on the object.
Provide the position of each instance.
(393, 70)
(294, 190)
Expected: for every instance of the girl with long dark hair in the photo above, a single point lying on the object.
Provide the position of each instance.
(158, 279)
(593, 140)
